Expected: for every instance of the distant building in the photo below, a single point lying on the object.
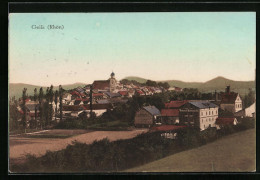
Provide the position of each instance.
(231, 101)
(221, 122)
(146, 116)
(169, 116)
(202, 114)
(247, 112)
(108, 85)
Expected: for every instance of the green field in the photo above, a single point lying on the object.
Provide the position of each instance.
(233, 153)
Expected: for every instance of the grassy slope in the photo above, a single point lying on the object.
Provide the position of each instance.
(234, 153)
(15, 89)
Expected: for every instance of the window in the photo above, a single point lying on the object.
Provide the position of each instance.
(216, 112)
(212, 113)
(209, 112)
(201, 113)
(206, 113)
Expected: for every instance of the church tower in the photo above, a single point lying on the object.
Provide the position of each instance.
(112, 85)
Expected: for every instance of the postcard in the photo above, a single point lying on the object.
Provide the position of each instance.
(132, 92)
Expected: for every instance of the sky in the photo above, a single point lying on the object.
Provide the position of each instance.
(188, 46)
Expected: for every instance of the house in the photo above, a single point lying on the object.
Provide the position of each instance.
(202, 114)
(146, 116)
(175, 104)
(230, 101)
(247, 112)
(72, 110)
(178, 89)
(112, 95)
(221, 122)
(169, 116)
(123, 93)
(98, 109)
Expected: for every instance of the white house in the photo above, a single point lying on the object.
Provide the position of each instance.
(202, 114)
(231, 101)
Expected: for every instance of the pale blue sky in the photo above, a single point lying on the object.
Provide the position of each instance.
(157, 46)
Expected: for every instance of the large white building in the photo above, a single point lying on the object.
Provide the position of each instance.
(202, 114)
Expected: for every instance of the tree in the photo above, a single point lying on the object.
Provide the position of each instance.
(151, 83)
(24, 120)
(61, 94)
(51, 94)
(35, 97)
(40, 98)
(56, 103)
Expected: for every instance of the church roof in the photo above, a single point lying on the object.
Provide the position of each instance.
(101, 84)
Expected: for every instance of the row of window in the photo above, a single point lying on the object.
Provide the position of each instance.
(208, 119)
(209, 113)
(238, 105)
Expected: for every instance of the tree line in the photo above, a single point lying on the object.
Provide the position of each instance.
(43, 111)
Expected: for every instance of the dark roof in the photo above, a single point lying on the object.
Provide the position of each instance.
(225, 120)
(175, 104)
(112, 94)
(103, 84)
(169, 112)
(228, 98)
(72, 108)
(152, 110)
(166, 128)
(103, 101)
(97, 106)
(203, 104)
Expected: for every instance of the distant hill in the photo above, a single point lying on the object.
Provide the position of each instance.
(218, 83)
(15, 89)
(138, 79)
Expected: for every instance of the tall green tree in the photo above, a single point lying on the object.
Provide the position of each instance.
(35, 98)
(60, 94)
(40, 98)
(56, 103)
(24, 118)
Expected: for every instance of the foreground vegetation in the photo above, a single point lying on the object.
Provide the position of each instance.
(105, 156)
(233, 153)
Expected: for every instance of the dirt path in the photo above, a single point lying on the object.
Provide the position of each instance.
(20, 146)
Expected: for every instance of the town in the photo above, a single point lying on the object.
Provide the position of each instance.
(103, 96)
(154, 110)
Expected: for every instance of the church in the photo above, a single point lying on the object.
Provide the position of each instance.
(107, 85)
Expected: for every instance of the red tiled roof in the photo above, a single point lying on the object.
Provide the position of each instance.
(221, 120)
(101, 84)
(175, 104)
(170, 112)
(123, 93)
(75, 93)
(166, 128)
(229, 98)
(28, 99)
(140, 92)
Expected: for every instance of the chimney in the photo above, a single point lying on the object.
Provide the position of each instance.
(228, 89)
